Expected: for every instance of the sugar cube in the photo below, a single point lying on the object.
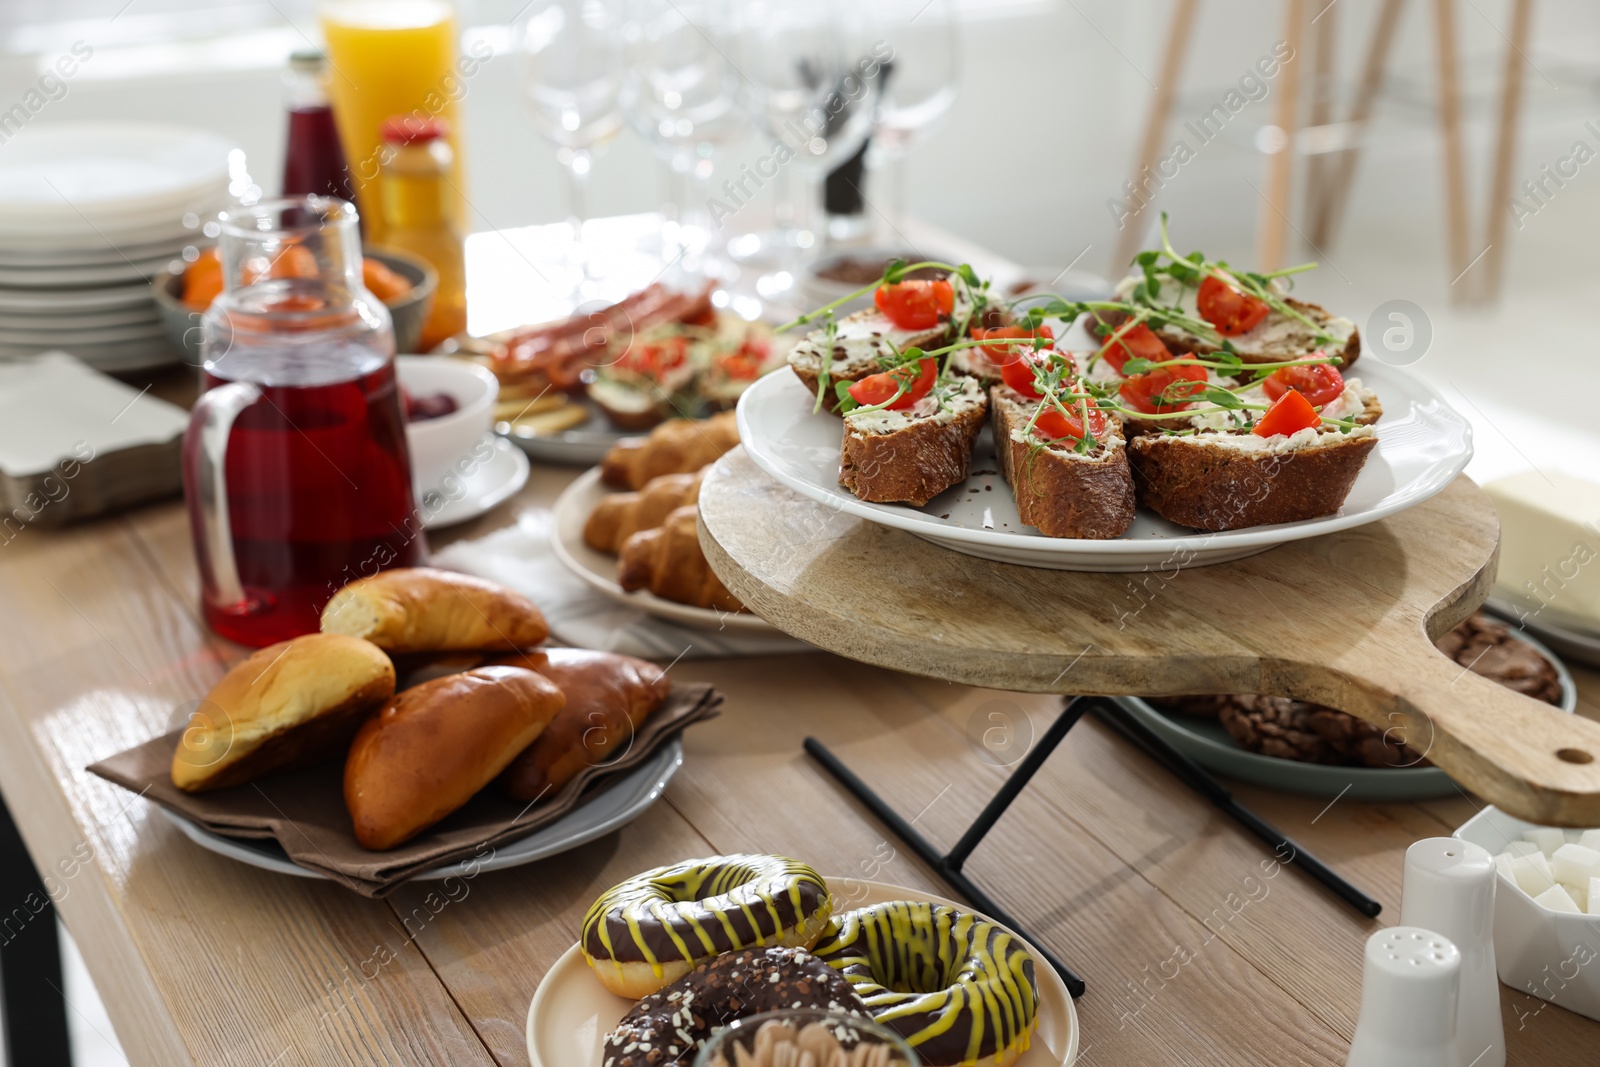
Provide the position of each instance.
(1575, 865)
(1590, 839)
(1558, 899)
(1502, 863)
(1532, 873)
(1522, 848)
(1548, 838)
(1594, 896)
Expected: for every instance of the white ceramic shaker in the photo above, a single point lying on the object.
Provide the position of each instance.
(1408, 1001)
(1449, 889)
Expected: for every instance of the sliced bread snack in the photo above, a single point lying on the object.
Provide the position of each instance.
(859, 345)
(1067, 483)
(909, 433)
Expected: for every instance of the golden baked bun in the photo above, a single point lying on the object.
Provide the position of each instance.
(608, 698)
(621, 515)
(669, 562)
(419, 609)
(678, 446)
(435, 745)
(287, 705)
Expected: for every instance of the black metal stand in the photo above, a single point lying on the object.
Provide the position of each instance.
(30, 960)
(949, 864)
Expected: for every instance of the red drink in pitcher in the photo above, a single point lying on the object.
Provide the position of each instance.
(295, 464)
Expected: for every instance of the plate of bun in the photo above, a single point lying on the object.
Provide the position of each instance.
(674, 955)
(629, 527)
(1201, 415)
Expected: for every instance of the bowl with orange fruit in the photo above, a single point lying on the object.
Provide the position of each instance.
(404, 282)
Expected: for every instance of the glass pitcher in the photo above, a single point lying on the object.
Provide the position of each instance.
(295, 465)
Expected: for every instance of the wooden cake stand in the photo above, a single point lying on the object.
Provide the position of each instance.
(1346, 620)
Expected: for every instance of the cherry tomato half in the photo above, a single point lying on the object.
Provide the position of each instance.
(1052, 424)
(1019, 372)
(916, 304)
(874, 389)
(1229, 310)
(1140, 342)
(1320, 383)
(1000, 355)
(1290, 413)
(1163, 390)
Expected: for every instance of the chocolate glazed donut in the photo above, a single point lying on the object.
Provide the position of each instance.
(657, 926)
(958, 988)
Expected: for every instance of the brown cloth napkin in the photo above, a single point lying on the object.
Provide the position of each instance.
(304, 810)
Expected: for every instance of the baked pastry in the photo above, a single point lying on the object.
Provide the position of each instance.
(669, 562)
(958, 988)
(287, 705)
(419, 609)
(608, 698)
(621, 515)
(647, 932)
(667, 1028)
(433, 746)
(678, 446)
(1066, 483)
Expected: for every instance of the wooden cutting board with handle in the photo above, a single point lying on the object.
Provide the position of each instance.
(1346, 620)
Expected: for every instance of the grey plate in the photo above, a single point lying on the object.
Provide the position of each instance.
(1208, 744)
(1570, 641)
(582, 446)
(616, 803)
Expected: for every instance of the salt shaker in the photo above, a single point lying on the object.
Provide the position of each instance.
(1409, 986)
(1449, 889)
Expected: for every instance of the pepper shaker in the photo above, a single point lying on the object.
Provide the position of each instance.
(1409, 986)
(1449, 889)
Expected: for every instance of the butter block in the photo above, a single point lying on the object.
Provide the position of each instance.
(1550, 546)
(1558, 899)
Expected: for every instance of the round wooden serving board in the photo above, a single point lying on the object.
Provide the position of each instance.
(1346, 620)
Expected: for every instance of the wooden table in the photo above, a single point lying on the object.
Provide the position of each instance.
(1191, 953)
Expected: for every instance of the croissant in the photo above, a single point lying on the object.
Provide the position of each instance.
(681, 446)
(621, 515)
(668, 561)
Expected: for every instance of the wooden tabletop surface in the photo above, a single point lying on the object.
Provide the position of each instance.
(1191, 952)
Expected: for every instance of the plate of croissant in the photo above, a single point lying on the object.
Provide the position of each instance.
(629, 527)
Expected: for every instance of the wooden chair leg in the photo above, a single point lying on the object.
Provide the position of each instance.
(1457, 226)
(1324, 36)
(1505, 150)
(1156, 122)
(1327, 214)
(1273, 213)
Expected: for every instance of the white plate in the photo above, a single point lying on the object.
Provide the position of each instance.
(571, 1012)
(1422, 446)
(72, 176)
(490, 484)
(69, 301)
(120, 272)
(48, 319)
(617, 802)
(600, 570)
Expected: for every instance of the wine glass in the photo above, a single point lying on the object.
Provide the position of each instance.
(570, 76)
(681, 93)
(920, 81)
(811, 80)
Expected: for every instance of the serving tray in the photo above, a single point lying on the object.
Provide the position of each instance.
(1347, 620)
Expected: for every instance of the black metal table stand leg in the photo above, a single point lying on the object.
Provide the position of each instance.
(949, 865)
(35, 1008)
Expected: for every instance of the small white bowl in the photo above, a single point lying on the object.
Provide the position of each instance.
(1554, 956)
(445, 449)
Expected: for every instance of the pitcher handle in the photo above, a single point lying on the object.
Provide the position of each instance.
(205, 454)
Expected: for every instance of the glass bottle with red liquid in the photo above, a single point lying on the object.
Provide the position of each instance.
(295, 463)
(313, 161)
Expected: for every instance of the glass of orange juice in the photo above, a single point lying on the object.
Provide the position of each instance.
(387, 58)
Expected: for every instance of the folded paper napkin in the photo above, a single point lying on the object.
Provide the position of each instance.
(520, 556)
(304, 810)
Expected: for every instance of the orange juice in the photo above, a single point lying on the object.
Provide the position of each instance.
(390, 57)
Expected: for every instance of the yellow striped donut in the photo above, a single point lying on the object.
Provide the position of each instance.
(646, 933)
(957, 987)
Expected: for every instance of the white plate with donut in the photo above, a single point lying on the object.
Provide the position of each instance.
(599, 570)
(572, 1013)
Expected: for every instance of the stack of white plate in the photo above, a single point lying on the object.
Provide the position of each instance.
(88, 213)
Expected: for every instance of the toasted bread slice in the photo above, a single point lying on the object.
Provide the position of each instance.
(860, 341)
(1223, 480)
(910, 457)
(1059, 491)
